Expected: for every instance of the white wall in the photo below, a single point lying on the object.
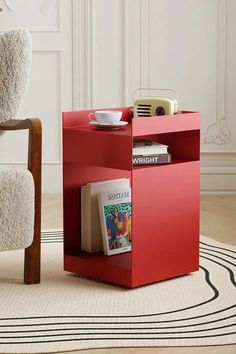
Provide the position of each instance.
(50, 89)
(116, 46)
(188, 45)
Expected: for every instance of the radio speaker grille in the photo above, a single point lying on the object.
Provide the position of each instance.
(144, 110)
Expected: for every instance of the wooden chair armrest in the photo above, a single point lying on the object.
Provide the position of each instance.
(17, 124)
(12, 124)
(35, 138)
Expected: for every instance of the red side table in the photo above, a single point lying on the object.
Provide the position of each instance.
(165, 198)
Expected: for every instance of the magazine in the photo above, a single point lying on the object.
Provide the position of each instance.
(91, 234)
(115, 217)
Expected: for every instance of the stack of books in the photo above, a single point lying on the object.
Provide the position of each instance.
(106, 216)
(148, 152)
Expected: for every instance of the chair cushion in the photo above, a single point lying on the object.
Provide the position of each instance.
(15, 67)
(16, 209)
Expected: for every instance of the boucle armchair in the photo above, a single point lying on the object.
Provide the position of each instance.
(20, 190)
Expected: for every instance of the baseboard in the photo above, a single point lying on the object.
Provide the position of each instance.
(214, 180)
(218, 180)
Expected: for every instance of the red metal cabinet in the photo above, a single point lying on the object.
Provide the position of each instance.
(165, 198)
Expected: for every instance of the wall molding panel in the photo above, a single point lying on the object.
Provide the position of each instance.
(218, 172)
(40, 16)
(126, 44)
(218, 132)
(145, 43)
(11, 4)
(82, 53)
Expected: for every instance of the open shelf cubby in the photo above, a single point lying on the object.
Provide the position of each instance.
(165, 198)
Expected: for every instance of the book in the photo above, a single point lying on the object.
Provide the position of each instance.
(151, 159)
(115, 217)
(91, 234)
(148, 147)
(84, 240)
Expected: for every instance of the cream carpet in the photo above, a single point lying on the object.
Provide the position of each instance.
(66, 312)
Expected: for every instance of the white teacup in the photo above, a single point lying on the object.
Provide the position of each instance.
(106, 117)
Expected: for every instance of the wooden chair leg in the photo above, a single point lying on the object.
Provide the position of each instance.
(33, 252)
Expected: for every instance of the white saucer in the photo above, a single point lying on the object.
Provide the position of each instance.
(117, 125)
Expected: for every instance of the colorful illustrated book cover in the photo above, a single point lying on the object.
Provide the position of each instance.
(115, 216)
(91, 233)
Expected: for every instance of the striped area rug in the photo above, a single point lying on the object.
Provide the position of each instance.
(66, 312)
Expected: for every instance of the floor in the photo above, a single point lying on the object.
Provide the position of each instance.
(218, 221)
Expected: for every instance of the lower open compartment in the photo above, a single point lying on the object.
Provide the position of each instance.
(165, 225)
(115, 269)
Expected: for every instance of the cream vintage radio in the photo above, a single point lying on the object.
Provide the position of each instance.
(149, 106)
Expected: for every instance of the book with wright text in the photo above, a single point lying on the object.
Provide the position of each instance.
(151, 159)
